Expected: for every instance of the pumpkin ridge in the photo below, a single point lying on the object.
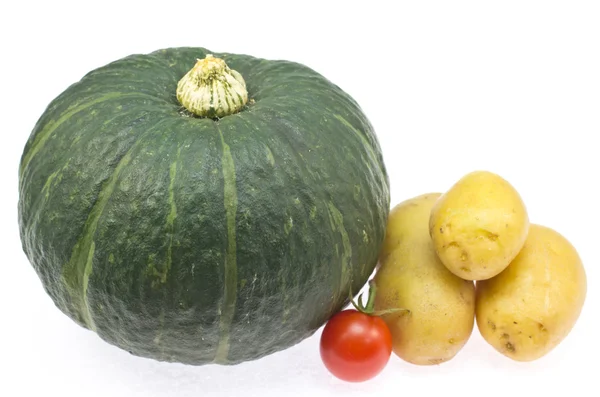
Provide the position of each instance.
(361, 135)
(337, 219)
(343, 279)
(230, 266)
(44, 135)
(47, 188)
(75, 279)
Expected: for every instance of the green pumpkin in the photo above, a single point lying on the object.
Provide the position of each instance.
(216, 232)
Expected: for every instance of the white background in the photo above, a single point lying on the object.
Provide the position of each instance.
(450, 86)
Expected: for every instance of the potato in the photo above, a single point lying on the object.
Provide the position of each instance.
(404, 223)
(442, 305)
(478, 226)
(530, 307)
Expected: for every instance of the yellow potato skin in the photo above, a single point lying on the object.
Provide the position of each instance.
(478, 226)
(405, 222)
(529, 308)
(442, 305)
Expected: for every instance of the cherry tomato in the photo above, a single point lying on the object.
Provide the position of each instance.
(355, 346)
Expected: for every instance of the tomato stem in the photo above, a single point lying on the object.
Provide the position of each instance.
(371, 301)
(369, 308)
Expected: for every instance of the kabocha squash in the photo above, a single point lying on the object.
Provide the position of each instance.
(196, 207)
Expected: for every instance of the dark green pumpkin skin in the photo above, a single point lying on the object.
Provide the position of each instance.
(194, 240)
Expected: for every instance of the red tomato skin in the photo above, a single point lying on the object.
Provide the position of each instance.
(354, 346)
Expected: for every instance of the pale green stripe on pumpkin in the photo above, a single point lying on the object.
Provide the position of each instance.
(270, 156)
(43, 136)
(284, 293)
(170, 226)
(158, 337)
(76, 279)
(338, 220)
(230, 285)
(173, 212)
(56, 175)
(86, 278)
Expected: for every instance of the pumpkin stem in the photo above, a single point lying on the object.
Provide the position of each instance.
(211, 89)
